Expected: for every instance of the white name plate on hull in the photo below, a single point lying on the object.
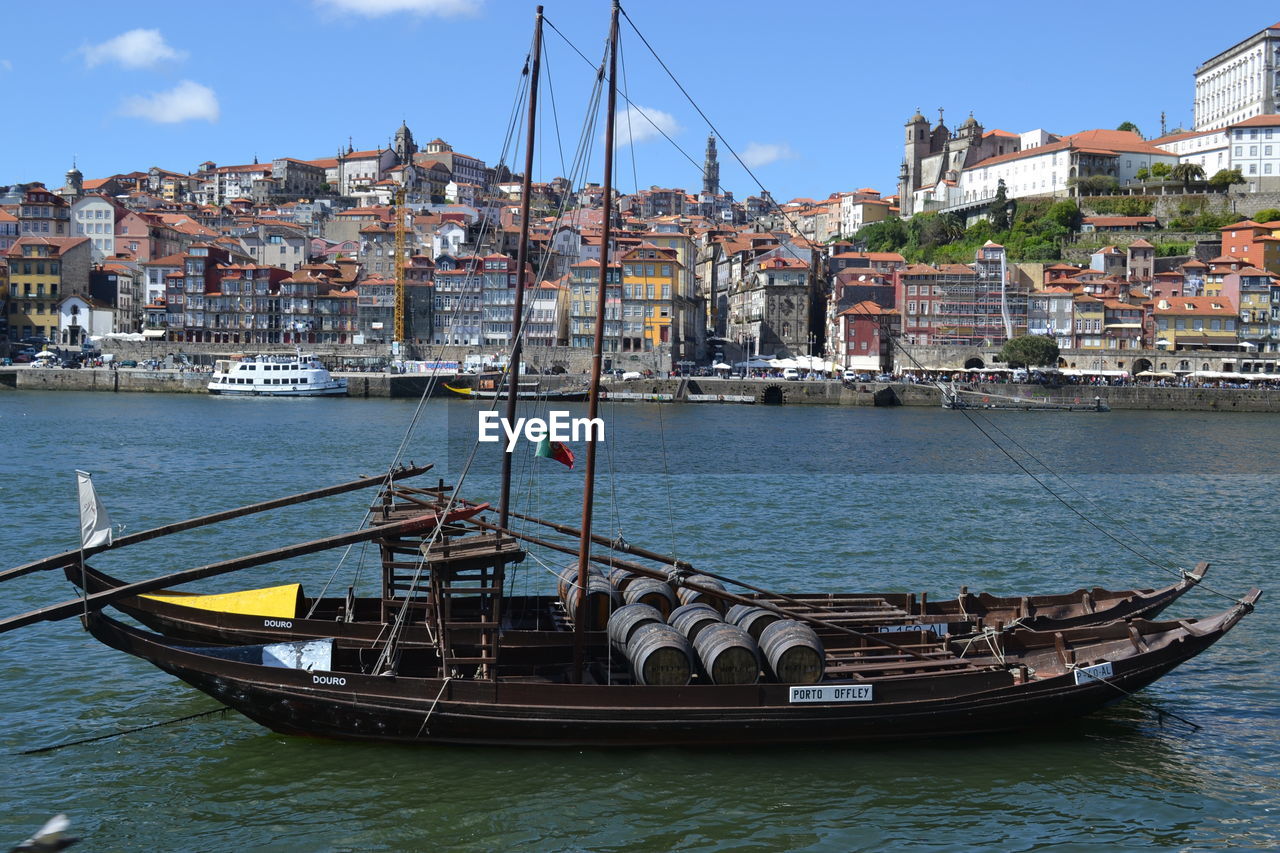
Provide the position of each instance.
(832, 693)
(1097, 672)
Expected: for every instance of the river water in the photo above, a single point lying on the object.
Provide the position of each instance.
(803, 498)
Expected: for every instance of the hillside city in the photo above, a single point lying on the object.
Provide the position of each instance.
(1132, 251)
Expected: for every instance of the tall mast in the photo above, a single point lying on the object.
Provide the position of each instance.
(522, 256)
(597, 353)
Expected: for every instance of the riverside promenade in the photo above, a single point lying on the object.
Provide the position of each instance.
(692, 390)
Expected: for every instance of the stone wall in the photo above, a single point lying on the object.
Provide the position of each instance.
(766, 392)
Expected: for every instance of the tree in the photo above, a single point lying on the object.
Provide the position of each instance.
(1161, 170)
(998, 213)
(887, 235)
(1226, 177)
(1065, 214)
(1029, 351)
(1129, 126)
(1271, 214)
(1187, 172)
(1142, 174)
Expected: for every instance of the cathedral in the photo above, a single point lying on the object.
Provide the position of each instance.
(934, 156)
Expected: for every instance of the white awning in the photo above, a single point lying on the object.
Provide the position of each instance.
(153, 333)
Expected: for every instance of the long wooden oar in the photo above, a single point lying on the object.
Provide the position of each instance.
(66, 558)
(75, 607)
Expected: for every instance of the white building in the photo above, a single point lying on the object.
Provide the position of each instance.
(1255, 151)
(1252, 146)
(94, 217)
(1207, 149)
(1048, 168)
(81, 317)
(1241, 82)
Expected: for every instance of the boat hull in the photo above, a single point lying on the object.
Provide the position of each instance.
(354, 706)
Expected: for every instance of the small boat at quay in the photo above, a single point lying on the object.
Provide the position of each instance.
(489, 386)
(298, 375)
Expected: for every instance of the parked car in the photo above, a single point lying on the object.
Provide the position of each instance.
(884, 377)
(849, 374)
(129, 362)
(791, 373)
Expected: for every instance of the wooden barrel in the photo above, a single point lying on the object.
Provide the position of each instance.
(689, 596)
(660, 655)
(690, 619)
(626, 620)
(727, 654)
(652, 592)
(753, 619)
(793, 651)
(601, 600)
(620, 578)
(567, 578)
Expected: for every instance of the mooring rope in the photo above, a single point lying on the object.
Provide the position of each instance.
(57, 746)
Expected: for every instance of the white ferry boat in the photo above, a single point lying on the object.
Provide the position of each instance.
(300, 375)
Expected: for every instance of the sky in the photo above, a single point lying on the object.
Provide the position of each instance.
(812, 95)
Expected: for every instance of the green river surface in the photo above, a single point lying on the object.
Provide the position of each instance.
(803, 498)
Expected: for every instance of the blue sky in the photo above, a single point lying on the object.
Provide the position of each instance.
(816, 91)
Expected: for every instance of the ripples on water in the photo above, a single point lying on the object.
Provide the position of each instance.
(813, 498)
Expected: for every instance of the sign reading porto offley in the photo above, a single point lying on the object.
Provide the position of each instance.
(557, 428)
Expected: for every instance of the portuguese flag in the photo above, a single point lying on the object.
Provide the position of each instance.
(555, 450)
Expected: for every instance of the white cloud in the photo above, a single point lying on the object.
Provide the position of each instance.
(758, 154)
(6, 65)
(640, 124)
(183, 102)
(134, 49)
(378, 8)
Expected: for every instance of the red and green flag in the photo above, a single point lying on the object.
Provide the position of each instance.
(556, 450)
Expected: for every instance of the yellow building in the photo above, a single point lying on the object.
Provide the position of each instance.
(688, 314)
(1089, 320)
(42, 270)
(1195, 322)
(650, 281)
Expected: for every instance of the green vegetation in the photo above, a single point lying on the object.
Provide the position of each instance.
(1129, 126)
(1121, 205)
(1094, 184)
(1188, 173)
(1226, 177)
(1161, 170)
(998, 213)
(1171, 248)
(1029, 351)
(1034, 234)
(1271, 214)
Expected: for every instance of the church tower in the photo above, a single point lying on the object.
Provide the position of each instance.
(74, 188)
(916, 149)
(711, 170)
(404, 145)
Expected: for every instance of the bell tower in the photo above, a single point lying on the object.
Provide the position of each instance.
(711, 170)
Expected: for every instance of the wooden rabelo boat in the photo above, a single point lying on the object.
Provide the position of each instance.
(1029, 679)
(444, 655)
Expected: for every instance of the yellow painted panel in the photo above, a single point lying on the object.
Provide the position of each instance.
(276, 601)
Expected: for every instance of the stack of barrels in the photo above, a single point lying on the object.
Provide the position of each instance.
(666, 644)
